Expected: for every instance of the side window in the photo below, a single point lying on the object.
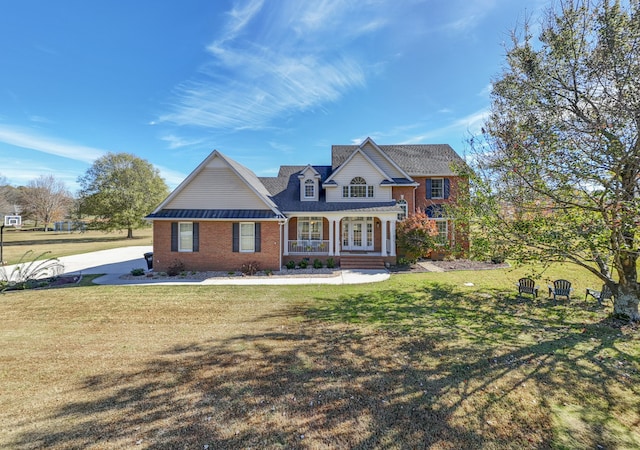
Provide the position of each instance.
(443, 235)
(405, 209)
(247, 237)
(185, 236)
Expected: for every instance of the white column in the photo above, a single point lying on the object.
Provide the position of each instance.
(392, 238)
(332, 224)
(338, 238)
(286, 238)
(383, 237)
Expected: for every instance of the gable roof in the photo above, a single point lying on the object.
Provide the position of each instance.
(358, 151)
(414, 159)
(243, 173)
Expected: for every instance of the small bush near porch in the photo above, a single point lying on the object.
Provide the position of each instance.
(419, 361)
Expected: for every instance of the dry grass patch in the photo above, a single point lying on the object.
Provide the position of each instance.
(18, 242)
(417, 362)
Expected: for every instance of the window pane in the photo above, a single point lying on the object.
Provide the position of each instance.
(309, 190)
(442, 230)
(315, 228)
(247, 237)
(437, 188)
(358, 191)
(402, 204)
(185, 239)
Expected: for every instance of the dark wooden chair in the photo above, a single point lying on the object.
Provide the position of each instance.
(560, 288)
(601, 295)
(527, 286)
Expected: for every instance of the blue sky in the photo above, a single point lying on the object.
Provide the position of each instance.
(266, 82)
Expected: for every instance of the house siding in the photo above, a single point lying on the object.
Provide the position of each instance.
(381, 161)
(359, 167)
(218, 186)
(215, 248)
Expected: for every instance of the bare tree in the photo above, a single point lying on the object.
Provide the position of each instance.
(47, 198)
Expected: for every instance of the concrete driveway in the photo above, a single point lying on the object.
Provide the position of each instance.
(116, 262)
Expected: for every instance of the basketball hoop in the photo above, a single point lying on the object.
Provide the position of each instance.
(13, 221)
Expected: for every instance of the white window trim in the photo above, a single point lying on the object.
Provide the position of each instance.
(180, 232)
(369, 191)
(312, 184)
(441, 196)
(446, 230)
(253, 238)
(402, 203)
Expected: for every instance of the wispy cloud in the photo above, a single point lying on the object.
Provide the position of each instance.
(172, 177)
(275, 59)
(179, 142)
(28, 139)
(466, 125)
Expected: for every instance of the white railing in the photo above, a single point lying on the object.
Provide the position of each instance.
(309, 246)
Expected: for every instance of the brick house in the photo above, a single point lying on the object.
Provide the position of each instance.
(222, 215)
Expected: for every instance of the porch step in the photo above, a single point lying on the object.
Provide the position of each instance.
(361, 262)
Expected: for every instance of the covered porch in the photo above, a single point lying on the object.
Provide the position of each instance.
(335, 235)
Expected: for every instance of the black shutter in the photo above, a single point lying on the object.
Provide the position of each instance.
(196, 237)
(257, 236)
(236, 237)
(428, 187)
(446, 188)
(174, 236)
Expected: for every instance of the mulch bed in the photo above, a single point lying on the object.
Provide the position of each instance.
(447, 266)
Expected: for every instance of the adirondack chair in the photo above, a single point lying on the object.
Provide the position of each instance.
(560, 288)
(601, 295)
(527, 286)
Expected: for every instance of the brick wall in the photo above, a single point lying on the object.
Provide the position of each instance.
(215, 248)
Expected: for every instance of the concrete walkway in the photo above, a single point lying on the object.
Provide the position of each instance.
(120, 261)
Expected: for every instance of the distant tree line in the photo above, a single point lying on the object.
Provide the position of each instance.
(117, 192)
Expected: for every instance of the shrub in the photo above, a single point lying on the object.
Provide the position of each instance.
(418, 234)
(137, 272)
(317, 264)
(175, 268)
(331, 263)
(402, 261)
(250, 268)
(304, 263)
(291, 265)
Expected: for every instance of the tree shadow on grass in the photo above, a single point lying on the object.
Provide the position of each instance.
(428, 368)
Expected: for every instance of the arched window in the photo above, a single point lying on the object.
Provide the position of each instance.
(309, 189)
(358, 188)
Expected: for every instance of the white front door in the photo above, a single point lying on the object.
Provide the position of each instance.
(357, 233)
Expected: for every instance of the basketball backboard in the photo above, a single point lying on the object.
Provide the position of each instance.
(12, 221)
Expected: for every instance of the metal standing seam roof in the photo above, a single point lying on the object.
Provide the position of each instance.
(213, 214)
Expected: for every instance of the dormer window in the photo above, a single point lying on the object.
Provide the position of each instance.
(358, 188)
(309, 189)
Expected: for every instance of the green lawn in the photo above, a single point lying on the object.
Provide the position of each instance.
(18, 242)
(419, 361)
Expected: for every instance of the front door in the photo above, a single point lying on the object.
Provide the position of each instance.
(357, 234)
